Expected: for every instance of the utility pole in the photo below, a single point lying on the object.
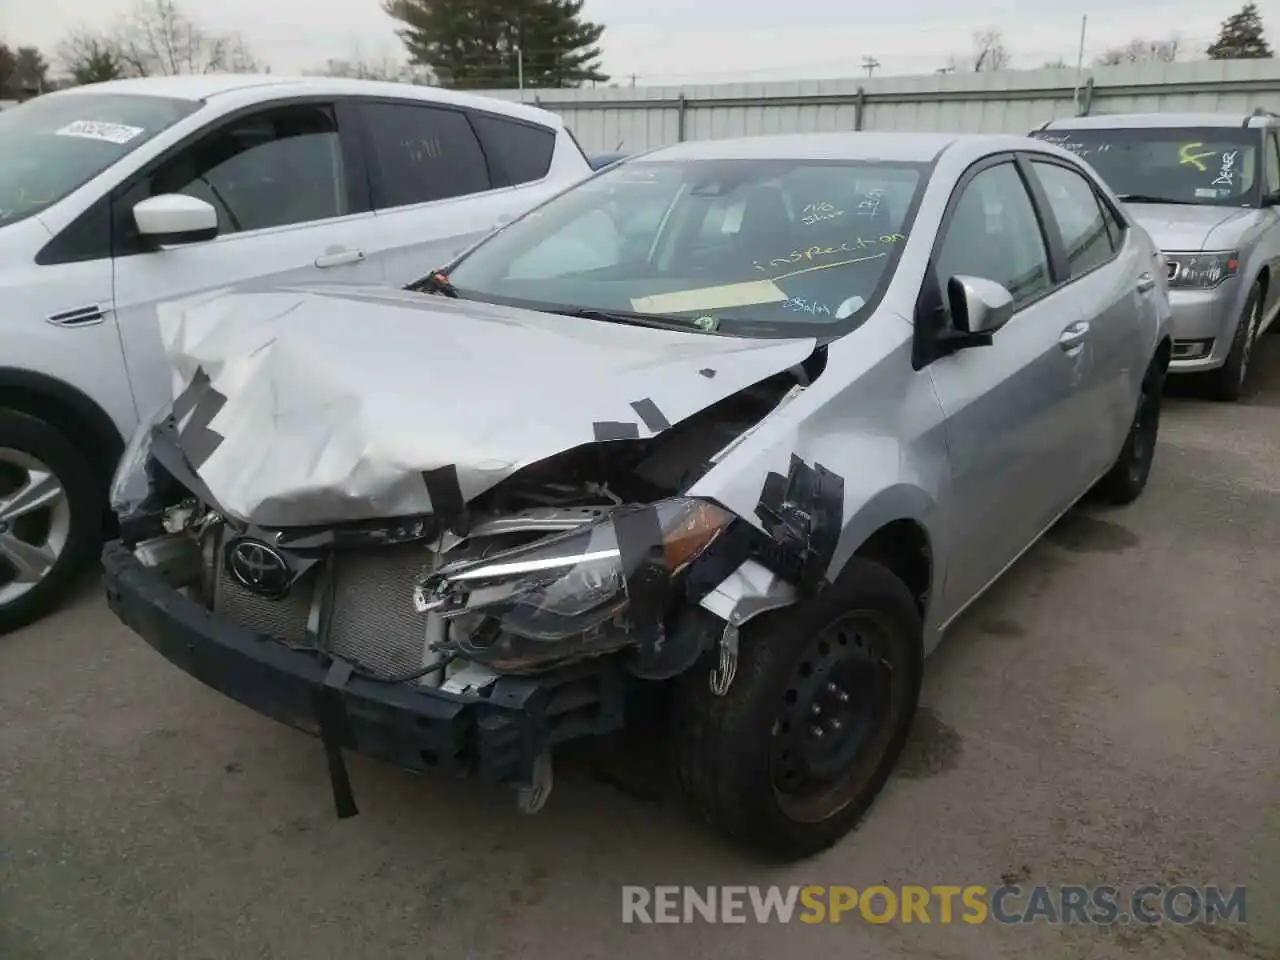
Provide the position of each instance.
(520, 70)
(870, 64)
(1084, 22)
(633, 79)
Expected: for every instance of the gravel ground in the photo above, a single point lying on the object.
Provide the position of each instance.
(1108, 714)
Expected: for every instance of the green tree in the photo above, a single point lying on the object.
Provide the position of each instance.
(1240, 37)
(493, 43)
(24, 72)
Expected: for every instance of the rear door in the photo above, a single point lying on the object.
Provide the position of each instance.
(1111, 277)
(435, 189)
(1018, 433)
(292, 203)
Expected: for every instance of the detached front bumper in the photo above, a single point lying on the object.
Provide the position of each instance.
(497, 734)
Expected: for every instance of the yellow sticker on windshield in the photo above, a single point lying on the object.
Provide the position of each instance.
(711, 298)
(1187, 158)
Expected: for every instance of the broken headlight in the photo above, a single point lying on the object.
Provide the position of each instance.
(590, 591)
(132, 484)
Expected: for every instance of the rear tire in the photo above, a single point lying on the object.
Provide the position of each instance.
(1126, 480)
(47, 536)
(1227, 382)
(750, 763)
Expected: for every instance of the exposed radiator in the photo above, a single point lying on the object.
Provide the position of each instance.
(369, 617)
(372, 620)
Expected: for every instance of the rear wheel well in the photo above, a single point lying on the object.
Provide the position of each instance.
(73, 415)
(1164, 353)
(902, 546)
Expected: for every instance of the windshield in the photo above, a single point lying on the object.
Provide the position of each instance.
(53, 144)
(1215, 166)
(743, 247)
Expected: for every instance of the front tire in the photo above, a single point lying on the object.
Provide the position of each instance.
(50, 517)
(786, 763)
(1227, 382)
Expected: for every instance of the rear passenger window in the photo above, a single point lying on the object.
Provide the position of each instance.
(423, 153)
(1075, 207)
(517, 152)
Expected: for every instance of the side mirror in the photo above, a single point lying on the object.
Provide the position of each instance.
(173, 218)
(979, 307)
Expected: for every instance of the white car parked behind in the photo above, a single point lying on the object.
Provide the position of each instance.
(120, 196)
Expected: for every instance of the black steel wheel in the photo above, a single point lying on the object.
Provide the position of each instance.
(1128, 477)
(790, 758)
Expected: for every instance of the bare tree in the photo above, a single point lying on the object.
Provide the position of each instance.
(383, 66)
(157, 39)
(989, 51)
(1058, 64)
(89, 58)
(1139, 50)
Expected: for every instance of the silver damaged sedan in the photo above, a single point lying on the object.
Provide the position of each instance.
(737, 428)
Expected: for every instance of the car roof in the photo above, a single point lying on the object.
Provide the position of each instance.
(861, 145)
(1113, 121)
(204, 87)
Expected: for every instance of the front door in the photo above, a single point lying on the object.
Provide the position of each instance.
(1016, 432)
(290, 209)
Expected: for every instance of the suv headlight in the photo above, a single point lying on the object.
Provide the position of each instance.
(1202, 271)
(571, 594)
(131, 485)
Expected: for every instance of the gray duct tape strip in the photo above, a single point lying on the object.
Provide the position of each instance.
(444, 490)
(707, 372)
(648, 580)
(331, 712)
(606, 430)
(803, 513)
(648, 411)
(198, 442)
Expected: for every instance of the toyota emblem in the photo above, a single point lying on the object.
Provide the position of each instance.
(258, 568)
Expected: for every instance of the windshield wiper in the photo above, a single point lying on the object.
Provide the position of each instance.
(1147, 198)
(660, 321)
(434, 282)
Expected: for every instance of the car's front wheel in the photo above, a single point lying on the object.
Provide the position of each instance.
(790, 758)
(1227, 382)
(50, 517)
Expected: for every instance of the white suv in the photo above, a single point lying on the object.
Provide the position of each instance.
(120, 196)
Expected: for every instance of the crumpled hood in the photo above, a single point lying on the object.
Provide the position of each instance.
(1185, 227)
(314, 405)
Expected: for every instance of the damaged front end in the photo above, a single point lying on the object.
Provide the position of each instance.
(472, 640)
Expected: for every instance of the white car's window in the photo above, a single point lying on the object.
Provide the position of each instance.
(994, 234)
(518, 152)
(1215, 166)
(1075, 207)
(423, 153)
(272, 169)
(53, 144)
(752, 246)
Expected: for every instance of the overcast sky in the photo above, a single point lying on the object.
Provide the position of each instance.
(701, 41)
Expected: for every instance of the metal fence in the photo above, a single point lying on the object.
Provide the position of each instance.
(1015, 101)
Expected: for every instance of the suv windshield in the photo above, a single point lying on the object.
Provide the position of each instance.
(55, 143)
(744, 247)
(1214, 166)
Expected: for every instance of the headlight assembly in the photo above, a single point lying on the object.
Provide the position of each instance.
(571, 594)
(1201, 271)
(131, 485)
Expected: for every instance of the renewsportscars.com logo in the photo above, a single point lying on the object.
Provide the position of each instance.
(1009, 904)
